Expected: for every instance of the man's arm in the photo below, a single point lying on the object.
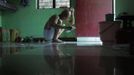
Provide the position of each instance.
(72, 19)
(56, 24)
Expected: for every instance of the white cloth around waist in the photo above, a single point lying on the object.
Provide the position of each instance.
(49, 34)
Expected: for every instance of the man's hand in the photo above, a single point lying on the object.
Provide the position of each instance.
(72, 10)
(70, 28)
(72, 17)
(73, 27)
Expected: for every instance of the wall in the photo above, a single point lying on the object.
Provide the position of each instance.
(0, 19)
(0, 58)
(29, 20)
(0, 62)
(124, 6)
(89, 14)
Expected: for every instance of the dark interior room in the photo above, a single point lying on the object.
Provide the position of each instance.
(66, 37)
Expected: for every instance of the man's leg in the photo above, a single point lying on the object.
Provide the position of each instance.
(57, 34)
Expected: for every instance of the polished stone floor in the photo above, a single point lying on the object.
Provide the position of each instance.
(69, 58)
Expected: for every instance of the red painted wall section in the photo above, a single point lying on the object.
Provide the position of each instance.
(88, 15)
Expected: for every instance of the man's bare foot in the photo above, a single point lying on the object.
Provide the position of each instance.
(57, 41)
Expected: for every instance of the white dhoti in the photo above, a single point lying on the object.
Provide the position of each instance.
(49, 34)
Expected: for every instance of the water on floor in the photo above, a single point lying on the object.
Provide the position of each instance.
(71, 58)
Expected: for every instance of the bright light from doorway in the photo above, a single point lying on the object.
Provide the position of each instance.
(114, 8)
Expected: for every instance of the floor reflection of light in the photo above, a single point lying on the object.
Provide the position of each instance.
(114, 71)
(89, 43)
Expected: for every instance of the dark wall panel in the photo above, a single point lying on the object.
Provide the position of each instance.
(88, 15)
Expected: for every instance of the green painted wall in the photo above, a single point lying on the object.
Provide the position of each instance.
(0, 63)
(29, 20)
(124, 6)
(0, 19)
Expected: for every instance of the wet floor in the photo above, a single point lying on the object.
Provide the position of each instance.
(70, 58)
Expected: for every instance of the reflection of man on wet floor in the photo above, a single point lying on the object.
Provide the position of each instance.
(56, 60)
